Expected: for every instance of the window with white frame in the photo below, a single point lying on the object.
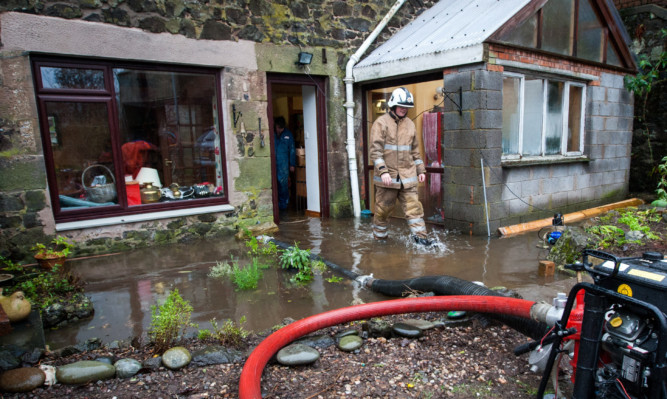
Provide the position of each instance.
(542, 117)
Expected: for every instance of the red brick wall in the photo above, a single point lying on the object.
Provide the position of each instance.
(499, 52)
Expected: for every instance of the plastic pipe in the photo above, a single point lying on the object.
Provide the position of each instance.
(250, 381)
(569, 218)
(349, 105)
(486, 204)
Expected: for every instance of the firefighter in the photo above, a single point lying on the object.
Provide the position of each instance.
(398, 168)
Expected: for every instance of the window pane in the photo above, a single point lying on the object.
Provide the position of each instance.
(590, 36)
(554, 117)
(525, 34)
(574, 119)
(532, 117)
(167, 123)
(558, 26)
(511, 87)
(72, 78)
(83, 162)
(612, 57)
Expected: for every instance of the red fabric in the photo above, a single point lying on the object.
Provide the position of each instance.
(133, 194)
(134, 155)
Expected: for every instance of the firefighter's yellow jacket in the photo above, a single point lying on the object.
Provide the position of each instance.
(394, 149)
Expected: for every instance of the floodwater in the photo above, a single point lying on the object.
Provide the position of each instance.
(123, 287)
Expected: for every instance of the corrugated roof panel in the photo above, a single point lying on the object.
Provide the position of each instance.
(448, 25)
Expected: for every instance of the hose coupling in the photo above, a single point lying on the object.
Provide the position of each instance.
(365, 281)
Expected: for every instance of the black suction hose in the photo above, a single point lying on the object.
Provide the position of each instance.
(447, 285)
(440, 285)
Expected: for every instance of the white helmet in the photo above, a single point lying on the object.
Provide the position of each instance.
(401, 97)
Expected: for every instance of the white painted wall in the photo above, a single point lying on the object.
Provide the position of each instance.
(310, 137)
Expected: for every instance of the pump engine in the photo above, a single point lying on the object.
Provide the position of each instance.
(619, 328)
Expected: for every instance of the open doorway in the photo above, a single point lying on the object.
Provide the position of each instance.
(299, 101)
(427, 116)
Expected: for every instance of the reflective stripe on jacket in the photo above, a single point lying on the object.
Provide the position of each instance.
(394, 149)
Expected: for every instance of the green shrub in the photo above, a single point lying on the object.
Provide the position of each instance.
(246, 278)
(222, 269)
(48, 286)
(662, 184)
(169, 321)
(299, 259)
(204, 334)
(229, 333)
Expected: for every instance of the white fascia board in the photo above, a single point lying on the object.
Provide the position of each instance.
(142, 217)
(421, 63)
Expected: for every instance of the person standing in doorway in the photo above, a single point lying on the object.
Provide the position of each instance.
(394, 151)
(285, 160)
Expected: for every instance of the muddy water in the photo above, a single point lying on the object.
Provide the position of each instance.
(123, 287)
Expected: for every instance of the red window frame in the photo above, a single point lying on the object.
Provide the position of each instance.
(107, 96)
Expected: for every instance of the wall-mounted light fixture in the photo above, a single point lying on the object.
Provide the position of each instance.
(304, 58)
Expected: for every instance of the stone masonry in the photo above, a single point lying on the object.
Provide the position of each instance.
(277, 30)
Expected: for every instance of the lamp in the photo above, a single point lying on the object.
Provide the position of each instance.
(304, 58)
(148, 175)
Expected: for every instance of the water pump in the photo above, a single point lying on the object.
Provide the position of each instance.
(618, 326)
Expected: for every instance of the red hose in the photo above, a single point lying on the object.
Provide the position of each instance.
(249, 384)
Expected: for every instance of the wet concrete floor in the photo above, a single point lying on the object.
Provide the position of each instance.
(123, 287)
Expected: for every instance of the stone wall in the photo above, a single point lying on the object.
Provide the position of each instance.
(245, 38)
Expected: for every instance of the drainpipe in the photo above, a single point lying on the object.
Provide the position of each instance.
(349, 104)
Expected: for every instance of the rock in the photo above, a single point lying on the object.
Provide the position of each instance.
(266, 228)
(406, 330)
(105, 359)
(89, 345)
(126, 368)
(22, 380)
(317, 341)
(634, 235)
(297, 355)
(569, 246)
(152, 363)
(419, 323)
(84, 371)
(50, 373)
(377, 328)
(58, 314)
(456, 314)
(8, 359)
(176, 358)
(15, 306)
(350, 343)
(32, 357)
(215, 354)
(345, 333)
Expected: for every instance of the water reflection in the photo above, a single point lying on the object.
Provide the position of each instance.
(123, 287)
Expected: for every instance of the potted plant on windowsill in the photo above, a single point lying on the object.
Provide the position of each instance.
(55, 253)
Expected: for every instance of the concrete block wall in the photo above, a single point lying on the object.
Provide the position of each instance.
(467, 139)
(521, 193)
